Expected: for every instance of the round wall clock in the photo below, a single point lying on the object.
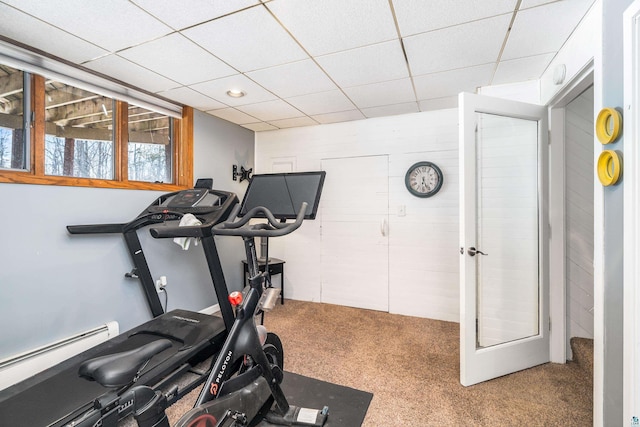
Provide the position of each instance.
(424, 179)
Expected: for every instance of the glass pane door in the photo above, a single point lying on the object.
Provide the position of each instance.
(504, 314)
(507, 229)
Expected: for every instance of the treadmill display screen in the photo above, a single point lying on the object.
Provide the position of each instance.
(283, 193)
(188, 198)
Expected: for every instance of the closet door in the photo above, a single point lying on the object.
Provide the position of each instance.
(355, 218)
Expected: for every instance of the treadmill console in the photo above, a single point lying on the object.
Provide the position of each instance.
(210, 206)
(187, 198)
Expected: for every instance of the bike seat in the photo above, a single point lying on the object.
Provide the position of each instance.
(120, 369)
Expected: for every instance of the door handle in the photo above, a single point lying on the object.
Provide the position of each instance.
(473, 251)
(383, 227)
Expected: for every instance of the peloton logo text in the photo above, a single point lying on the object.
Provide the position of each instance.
(214, 386)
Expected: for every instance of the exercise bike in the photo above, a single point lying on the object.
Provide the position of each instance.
(243, 386)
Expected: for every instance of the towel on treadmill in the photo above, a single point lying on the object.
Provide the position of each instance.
(184, 242)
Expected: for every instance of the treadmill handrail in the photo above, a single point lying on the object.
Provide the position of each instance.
(96, 228)
(141, 221)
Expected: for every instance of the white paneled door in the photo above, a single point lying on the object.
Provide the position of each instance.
(504, 320)
(355, 242)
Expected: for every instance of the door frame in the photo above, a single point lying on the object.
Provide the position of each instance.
(631, 340)
(557, 239)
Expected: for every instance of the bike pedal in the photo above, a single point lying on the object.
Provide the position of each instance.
(297, 416)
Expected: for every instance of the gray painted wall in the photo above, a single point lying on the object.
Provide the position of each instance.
(613, 96)
(53, 284)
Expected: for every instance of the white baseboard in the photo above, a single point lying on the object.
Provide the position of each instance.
(211, 309)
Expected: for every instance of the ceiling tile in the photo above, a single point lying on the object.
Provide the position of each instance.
(194, 52)
(457, 47)
(217, 89)
(46, 37)
(343, 116)
(320, 103)
(259, 127)
(181, 60)
(126, 71)
(285, 80)
(386, 93)
(523, 69)
(450, 83)
(333, 25)
(247, 40)
(419, 16)
(369, 64)
(544, 29)
(271, 110)
(233, 115)
(293, 123)
(391, 110)
(192, 98)
(112, 25)
(438, 103)
(191, 12)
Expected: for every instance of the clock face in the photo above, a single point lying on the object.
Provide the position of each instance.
(424, 179)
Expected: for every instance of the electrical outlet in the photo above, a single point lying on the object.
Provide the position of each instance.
(402, 210)
(159, 286)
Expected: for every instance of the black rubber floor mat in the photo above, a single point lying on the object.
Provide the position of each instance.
(347, 406)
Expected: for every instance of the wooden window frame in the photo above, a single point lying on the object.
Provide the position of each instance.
(182, 169)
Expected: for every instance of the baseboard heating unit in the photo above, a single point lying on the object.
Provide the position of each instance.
(19, 367)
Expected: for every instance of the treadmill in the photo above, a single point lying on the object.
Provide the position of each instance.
(57, 396)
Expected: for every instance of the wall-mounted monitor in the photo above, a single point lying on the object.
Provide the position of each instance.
(283, 193)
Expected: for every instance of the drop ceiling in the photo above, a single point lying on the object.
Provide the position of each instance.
(301, 62)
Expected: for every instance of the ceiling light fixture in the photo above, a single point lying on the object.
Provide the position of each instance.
(235, 93)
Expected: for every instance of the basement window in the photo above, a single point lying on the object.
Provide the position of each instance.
(78, 132)
(13, 133)
(69, 130)
(150, 145)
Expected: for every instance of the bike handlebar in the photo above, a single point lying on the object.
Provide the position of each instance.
(272, 228)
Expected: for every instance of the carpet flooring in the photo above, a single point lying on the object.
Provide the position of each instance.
(411, 365)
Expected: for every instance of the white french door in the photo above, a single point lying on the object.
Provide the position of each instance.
(504, 320)
(355, 242)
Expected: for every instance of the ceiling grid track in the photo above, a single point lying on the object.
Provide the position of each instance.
(506, 38)
(314, 61)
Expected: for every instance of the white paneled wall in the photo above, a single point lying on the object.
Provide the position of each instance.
(579, 176)
(423, 243)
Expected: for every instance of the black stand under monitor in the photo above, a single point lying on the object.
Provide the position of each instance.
(264, 250)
